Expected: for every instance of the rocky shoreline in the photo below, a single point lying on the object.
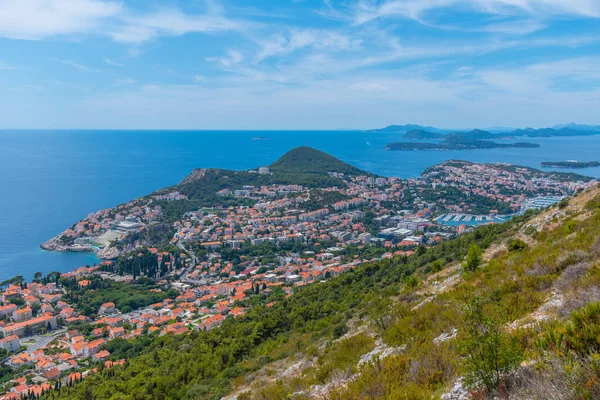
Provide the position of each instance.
(54, 245)
(107, 253)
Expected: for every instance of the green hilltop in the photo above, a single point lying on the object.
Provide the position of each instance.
(306, 160)
(300, 166)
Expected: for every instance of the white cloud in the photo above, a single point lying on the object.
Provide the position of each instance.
(233, 58)
(540, 80)
(365, 11)
(583, 8)
(315, 76)
(42, 19)
(523, 27)
(76, 65)
(321, 64)
(171, 22)
(113, 63)
(297, 39)
(514, 95)
(333, 103)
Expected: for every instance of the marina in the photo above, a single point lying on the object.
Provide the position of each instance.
(454, 219)
(539, 203)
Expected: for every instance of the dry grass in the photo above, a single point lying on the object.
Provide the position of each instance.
(571, 274)
(576, 299)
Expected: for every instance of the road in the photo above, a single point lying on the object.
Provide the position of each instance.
(41, 341)
(184, 277)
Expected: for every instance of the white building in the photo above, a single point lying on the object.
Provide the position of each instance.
(10, 343)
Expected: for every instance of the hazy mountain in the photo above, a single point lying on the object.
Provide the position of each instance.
(579, 127)
(407, 128)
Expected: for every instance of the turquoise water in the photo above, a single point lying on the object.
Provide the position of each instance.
(51, 179)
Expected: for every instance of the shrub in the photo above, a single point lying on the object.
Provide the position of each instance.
(517, 245)
(570, 227)
(340, 330)
(563, 203)
(490, 356)
(436, 266)
(594, 203)
(412, 281)
(582, 335)
(474, 258)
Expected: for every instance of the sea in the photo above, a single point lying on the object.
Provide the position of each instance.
(50, 179)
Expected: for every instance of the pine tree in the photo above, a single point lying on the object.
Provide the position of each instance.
(474, 258)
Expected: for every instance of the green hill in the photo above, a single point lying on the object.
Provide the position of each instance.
(300, 166)
(306, 160)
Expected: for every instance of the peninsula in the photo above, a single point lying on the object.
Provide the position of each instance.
(205, 272)
(284, 199)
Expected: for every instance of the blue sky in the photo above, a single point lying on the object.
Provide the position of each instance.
(298, 64)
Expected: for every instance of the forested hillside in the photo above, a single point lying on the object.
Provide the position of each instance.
(509, 311)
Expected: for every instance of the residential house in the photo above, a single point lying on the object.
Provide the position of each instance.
(107, 308)
(22, 328)
(91, 348)
(10, 343)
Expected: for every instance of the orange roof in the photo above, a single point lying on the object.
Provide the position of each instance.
(77, 346)
(95, 343)
(23, 324)
(102, 354)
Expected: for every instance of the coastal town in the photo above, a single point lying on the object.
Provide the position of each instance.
(209, 264)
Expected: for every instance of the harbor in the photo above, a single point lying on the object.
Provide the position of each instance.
(455, 219)
(536, 203)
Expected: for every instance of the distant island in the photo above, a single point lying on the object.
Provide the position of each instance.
(570, 164)
(566, 130)
(476, 134)
(418, 134)
(458, 143)
(407, 128)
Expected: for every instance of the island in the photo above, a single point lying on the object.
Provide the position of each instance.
(419, 134)
(570, 164)
(568, 130)
(456, 142)
(406, 128)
